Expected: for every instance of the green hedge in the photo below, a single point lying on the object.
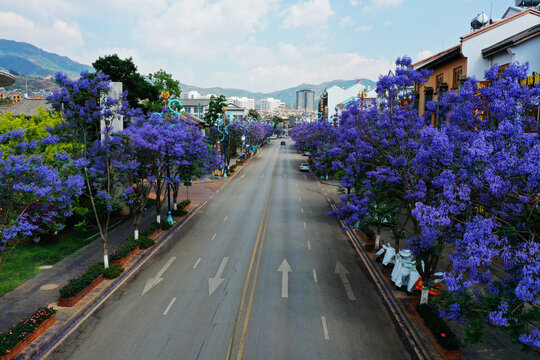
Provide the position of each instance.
(145, 242)
(123, 250)
(21, 330)
(438, 327)
(184, 203)
(76, 285)
(112, 272)
(179, 212)
(152, 228)
(165, 225)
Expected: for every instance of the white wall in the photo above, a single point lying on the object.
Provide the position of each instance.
(472, 48)
(338, 95)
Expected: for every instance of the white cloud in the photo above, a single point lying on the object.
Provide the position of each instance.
(291, 65)
(54, 36)
(201, 28)
(364, 28)
(375, 5)
(424, 54)
(355, 2)
(387, 23)
(346, 20)
(311, 12)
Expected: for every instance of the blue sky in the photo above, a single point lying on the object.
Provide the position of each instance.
(257, 45)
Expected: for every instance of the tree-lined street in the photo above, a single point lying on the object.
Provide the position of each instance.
(259, 272)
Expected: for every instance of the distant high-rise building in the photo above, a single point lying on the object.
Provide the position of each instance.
(243, 102)
(305, 99)
(270, 104)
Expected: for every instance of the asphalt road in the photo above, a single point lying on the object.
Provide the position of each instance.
(260, 272)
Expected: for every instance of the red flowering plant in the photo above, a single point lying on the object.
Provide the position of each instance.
(23, 329)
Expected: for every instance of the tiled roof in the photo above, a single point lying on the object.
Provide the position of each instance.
(435, 57)
(500, 22)
(26, 106)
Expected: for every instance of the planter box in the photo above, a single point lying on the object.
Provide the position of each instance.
(155, 234)
(38, 331)
(69, 302)
(125, 259)
(367, 240)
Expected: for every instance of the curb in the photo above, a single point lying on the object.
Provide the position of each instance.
(42, 348)
(411, 336)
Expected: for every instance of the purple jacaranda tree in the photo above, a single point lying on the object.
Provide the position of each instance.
(34, 195)
(197, 160)
(487, 152)
(84, 104)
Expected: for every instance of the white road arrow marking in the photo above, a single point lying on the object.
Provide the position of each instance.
(214, 282)
(150, 283)
(340, 269)
(285, 269)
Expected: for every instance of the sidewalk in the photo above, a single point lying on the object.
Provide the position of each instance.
(42, 289)
(496, 345)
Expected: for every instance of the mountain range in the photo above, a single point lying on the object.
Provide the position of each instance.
(31, 62)
(25, 59)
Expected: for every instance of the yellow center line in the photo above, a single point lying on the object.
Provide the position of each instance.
(246, 284)
(257, 253)
(248, 311)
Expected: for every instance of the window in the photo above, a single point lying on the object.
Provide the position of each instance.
(502, 68)
(438, 81)
(457, 74)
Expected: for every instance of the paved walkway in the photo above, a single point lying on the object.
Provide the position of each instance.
(496, 345)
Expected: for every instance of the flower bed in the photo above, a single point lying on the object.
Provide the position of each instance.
(76, 288)
(125, 251)
(25, 332)
(125, 259)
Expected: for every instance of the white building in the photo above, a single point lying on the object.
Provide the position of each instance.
(271, 104)
(337, 95)
(243, 102)
(515, 37)
(236, 111)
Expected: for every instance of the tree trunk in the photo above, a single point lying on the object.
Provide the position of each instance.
(176, 189)
(425, 295)
(136, 234)
(378, 237)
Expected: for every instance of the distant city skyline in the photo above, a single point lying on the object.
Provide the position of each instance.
(263, 45)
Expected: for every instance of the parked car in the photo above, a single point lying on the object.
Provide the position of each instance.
(283, 143)
(304, 167)
(306, 153)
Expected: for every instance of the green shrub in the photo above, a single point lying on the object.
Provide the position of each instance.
(179, 212)
(113, 271)
(369, 247)
(438, 327)
(152, 228)
(145, 242)
(165, 225)
(23, 329)
(76, 285)
(184, 203)
(123, 250)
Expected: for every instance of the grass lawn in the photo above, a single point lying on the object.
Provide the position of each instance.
(24, 261)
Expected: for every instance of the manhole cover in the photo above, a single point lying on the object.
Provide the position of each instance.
(49, 287)
(45, 267)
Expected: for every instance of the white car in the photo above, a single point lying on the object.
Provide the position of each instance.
(304, 167)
